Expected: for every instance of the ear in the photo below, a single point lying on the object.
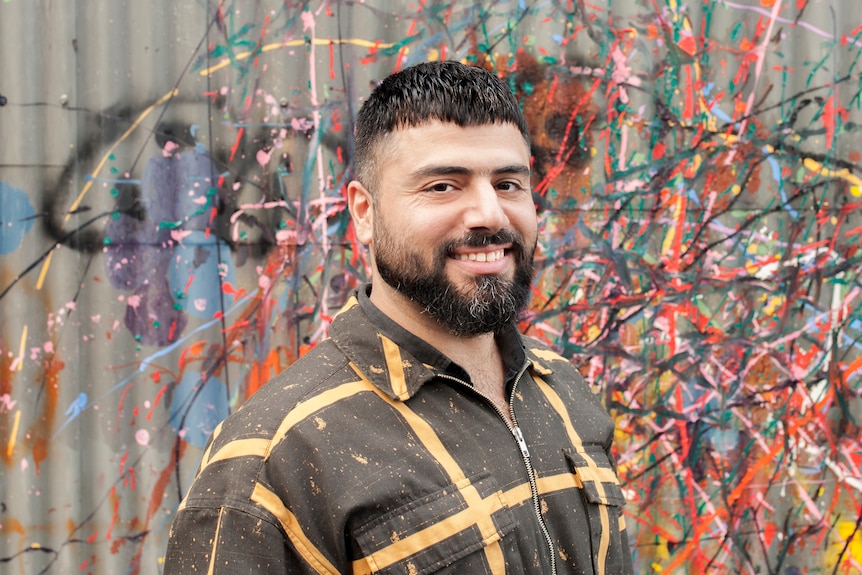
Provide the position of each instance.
(361, 207)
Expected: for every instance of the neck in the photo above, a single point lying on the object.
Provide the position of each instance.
(478, 354)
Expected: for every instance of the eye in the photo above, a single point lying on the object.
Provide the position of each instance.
(509, 186)
(439, 188)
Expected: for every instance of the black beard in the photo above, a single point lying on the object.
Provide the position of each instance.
(492, 305)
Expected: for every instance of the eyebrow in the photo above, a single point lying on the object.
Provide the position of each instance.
(444, 170)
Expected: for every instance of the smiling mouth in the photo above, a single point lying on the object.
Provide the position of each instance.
(480, 256)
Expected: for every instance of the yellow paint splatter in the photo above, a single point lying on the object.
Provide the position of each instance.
(293, 43)
(845, 530)
(667, 243)
(21, 347)
(12, 436)
(773, 303)
(820, 169)
(44, 271)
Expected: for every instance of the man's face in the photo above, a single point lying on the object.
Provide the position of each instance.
(454, 225)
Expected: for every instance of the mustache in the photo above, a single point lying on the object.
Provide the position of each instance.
(482, 239)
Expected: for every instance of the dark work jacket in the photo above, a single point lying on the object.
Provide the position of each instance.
(374, 454)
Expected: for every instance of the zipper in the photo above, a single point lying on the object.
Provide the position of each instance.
(525, 452)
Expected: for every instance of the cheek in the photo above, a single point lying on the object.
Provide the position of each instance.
(408, 229)
(424, 227)
(524, 220)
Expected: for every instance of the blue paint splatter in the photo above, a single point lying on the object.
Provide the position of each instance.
(77, 406)
(197, 407)
(194, 274)
(16, 217)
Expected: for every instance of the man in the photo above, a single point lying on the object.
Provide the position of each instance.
(426, 435)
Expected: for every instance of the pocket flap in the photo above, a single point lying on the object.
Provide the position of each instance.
(436, 530)
(596, 476)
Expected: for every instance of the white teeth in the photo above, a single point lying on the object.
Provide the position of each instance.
(481, 256)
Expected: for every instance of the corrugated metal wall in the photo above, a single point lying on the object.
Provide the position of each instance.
(173, 233)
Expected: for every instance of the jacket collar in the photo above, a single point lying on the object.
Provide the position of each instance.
(388, 366)
(396, 361)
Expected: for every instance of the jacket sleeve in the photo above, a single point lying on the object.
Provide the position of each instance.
(226, 541)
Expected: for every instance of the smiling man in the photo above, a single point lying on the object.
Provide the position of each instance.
(426, 435)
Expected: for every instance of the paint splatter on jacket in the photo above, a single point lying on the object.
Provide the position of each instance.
(373, 454)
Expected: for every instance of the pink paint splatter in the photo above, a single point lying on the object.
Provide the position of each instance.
(6, 402)
(263, 157)
(142, 437)
(179, 235)
(169, 149)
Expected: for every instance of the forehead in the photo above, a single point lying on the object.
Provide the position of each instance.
(443, 142)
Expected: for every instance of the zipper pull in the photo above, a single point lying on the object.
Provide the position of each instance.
(519, 437)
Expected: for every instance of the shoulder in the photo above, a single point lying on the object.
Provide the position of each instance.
(322, 367)
(241, 445)
(563, 377)
(546, 359)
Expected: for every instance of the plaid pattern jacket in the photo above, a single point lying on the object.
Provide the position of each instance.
(374, 454)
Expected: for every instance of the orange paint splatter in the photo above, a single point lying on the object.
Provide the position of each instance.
(11, 525)
(6, 388)
(41, 429)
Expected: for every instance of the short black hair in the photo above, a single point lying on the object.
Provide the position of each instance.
(443, 91)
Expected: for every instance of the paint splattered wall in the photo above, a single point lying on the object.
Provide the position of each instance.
(174, 232)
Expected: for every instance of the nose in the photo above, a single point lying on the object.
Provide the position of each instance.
(484, 209)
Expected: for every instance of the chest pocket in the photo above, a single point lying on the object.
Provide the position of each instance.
(604, 500)
(459, 529)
